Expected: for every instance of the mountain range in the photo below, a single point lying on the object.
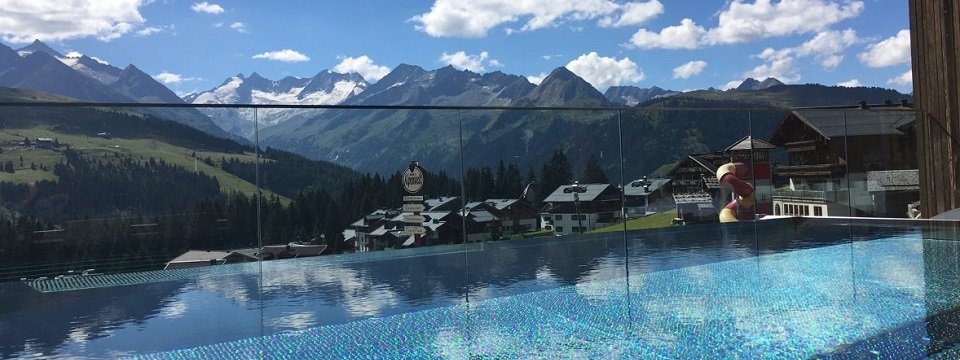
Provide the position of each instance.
(381, 140)
(39, 67)
(326, 88)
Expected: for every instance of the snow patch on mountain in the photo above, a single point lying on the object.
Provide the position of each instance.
(325, 88)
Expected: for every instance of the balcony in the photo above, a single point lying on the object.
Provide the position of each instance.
(807, 195)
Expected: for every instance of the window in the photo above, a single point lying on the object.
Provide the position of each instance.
(558, 217)
(559, 229)
(776, 211)
(818, 211)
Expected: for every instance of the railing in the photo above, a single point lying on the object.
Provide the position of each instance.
(810, 195)
(123, 189)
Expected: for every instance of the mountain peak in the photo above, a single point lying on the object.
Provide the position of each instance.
(770, 82)
(38, 46)
(133, 69)
(562, 73)
(564, 88)
(751, 84)
(632, 95)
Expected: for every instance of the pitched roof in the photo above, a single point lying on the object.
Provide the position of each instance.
(437, 203)
(705, 160)
(200, 255)
(636, 188)
(482, 216)
(748, 143)
(831, 123)
(501, 204)
(592, 191)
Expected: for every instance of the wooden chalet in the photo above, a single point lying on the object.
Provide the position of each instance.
(830, 153)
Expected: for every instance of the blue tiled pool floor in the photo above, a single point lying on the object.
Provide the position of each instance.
(796, 304)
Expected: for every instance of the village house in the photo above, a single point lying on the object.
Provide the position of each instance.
(852, 161)
(514, 215)
(644, 196)
(695, 189)
(45, 143)
(576, 208)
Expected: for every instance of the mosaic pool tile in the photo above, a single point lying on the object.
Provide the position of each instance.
(865, 300)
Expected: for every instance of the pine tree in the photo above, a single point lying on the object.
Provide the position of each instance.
(556, 172)
(593, 172)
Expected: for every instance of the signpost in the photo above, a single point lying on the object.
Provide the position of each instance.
(414, 218)
(414, 208)
(413, 180)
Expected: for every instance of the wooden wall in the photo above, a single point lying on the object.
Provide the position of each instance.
(935, 38)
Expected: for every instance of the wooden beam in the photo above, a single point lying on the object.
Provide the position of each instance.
(935, 40)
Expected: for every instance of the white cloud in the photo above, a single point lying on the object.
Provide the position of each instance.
(889, 52)
(536, 79)
(733, 84)
(689, 69)
(635, 13)
(475, 18)
(826, 48)
(169, 78)
(362, 65)
(205, 7)
(50, 20)
(687, 35)
(285, 55)
(147, 31)
(905, 79)
(239, 27)
(743, 22)
(603, 72)
(851, 83)
(463, 61)
(781, 68)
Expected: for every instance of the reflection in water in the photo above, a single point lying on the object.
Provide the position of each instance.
(304, 294)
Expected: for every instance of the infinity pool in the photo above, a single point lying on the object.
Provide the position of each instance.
(895, 295)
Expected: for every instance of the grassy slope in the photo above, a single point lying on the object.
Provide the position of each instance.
(658, 220)
(95, 146)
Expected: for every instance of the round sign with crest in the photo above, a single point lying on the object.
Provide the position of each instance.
(413, 179)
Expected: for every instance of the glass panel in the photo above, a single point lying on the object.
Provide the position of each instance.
(882, 164)
(386, 248)
(546, 235)
(114, 219)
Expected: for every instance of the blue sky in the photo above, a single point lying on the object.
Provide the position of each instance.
(675, 44)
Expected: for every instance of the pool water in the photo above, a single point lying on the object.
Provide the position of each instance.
(691, 292)
(866, 299)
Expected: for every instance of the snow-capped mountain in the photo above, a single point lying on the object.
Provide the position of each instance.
(93, 68)
(41, 68)
(326, 88)
(632, 95)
